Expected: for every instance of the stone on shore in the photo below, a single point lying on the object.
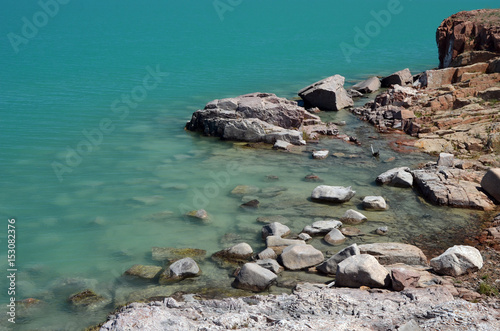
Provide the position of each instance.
(403, 278)
(457, 260)
(402, 77)
(374, 203)
(297, 257)
(275, 229)
(352, 216)
(491, 183)
(322, 154)
(322, 227)
(332, 193)
(334, 237)
(446, 160)
(144, 271)
(181, 269)
(370, 85)
(362, 270)
(392, 253)
(253, 277)
(327, 94)
(330, 265)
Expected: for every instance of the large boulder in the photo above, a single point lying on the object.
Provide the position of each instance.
(298, 257)
(491, 183)
(179, 270)
(352, 216)
(402, 77)
(392, 253)
(322, 227)
(332, 193)
(457, 260)
(370, 85)
(256, 117)
(275, 229)
(253, 277)
(327, 94)
(330, 265)
(362, 270)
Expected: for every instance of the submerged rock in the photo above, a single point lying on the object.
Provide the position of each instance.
(327, 94)
(457, 260)
(253, 277)
(89, 300)
(332, 193)
(171, 254)
(242, 190)
(322, 154)
(362, 270)
(144, 271)
(200, 214)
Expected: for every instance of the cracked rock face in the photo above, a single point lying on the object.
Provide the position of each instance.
(258, 117)
(312, 307)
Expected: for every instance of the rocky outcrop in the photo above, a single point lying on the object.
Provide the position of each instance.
(258, 117)
(253, 277)
(327, 94)
(312, 307)
(457, 260)
(362, 270)
(332, 193)
(452, 187)
(392, 253)
(476, 30)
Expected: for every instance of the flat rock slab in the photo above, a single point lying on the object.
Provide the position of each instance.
(452, 187)
(332, 193)
(391, 253)
(313, 303)
(322, 227)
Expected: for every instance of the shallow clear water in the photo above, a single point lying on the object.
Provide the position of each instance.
(84, 228)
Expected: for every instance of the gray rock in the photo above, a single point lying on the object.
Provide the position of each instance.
(322, 227)
(387, 177)
(403, 179)
(327, 94)
(242, 250)
(374, 203)
(179, 270)
(491, 183)
(271, 265)
(253, 277)
(354, 94)
(267, 253)
(334, 237)
(322, 154)
(282, 144)
(88, 300)
(256, 117)
(236, 254)
(362, 270)
(332, 193)
(200, 214)
(446, 160)
(457, 260)
(352, 216)
(392, 253)
(402, 77)
(370, 85)
(275, 229)
(298, 257)
(411, 325)
(382, 230)
(330, 265)
(304, 236)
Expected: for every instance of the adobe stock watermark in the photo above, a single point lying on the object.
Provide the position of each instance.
(29, 30)
(223, 6)
(120, 110)
(211, 190)
(372, 28)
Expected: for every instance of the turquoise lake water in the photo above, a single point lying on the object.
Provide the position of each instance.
(126, 76)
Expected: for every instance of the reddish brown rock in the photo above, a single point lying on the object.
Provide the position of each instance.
(404, 278)
(468, 31)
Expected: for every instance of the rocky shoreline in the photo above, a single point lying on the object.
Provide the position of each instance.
(452, 111)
